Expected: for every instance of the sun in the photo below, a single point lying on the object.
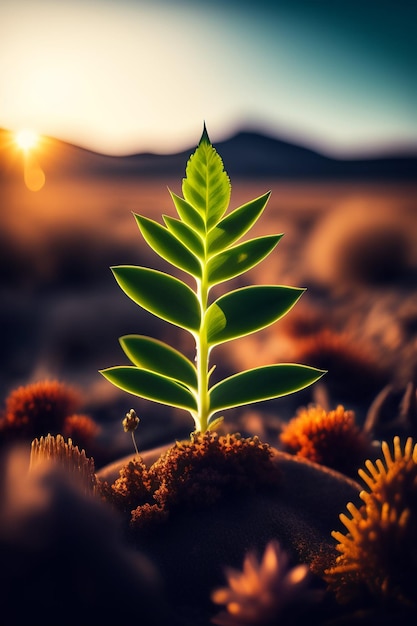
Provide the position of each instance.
(26, 139)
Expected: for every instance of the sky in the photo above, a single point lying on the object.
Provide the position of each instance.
(120, 76)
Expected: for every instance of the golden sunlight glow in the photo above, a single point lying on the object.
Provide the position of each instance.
(26, 139)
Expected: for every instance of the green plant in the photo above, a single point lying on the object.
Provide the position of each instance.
(201, 243)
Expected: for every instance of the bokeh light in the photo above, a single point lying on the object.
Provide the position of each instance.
(34, 176)
(26, 139)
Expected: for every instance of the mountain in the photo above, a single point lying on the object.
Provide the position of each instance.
(246, 154)
(258, 155)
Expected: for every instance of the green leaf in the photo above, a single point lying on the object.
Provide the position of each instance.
(150, 386)
(167, 246)
(186, 235)
(156, 356)
(262, 383)
(247, 310)
(188, 213)
(236, 224)
(240, 258)
(207, 186)
(160, 294)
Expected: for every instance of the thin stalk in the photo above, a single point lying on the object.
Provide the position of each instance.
(134, 443)
(202, 357)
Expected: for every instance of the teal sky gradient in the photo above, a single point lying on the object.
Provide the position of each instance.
(131, 76)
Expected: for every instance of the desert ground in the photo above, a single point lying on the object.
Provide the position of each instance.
(351, 244)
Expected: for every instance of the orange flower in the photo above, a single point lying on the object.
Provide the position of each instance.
(330, 438)
(40, 408)
(261, 593)
(81, 428)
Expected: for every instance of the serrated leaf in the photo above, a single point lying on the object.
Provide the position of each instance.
(160, 294)
(240, 258)
(164, 243)
(236, 224)
(247, 310)
(150, 386)
(186, 235)
(262, 383)
(156, 356)
(188, 213)
(207, 186)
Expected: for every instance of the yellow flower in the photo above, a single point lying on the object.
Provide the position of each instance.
(378, 555)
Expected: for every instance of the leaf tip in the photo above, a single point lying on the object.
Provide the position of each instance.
(320, 373)
(204, 137)
(115, 269)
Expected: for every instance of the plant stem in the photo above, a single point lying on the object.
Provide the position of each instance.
(202, 354)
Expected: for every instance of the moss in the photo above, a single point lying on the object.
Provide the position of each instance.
(191, 475)
(131, 489)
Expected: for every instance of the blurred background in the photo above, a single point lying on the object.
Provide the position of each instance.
(101, 104)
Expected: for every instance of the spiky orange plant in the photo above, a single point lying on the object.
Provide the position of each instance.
(65, 455)
(331, 438)
(378, 555)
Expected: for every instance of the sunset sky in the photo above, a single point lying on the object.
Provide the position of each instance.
(121, 76)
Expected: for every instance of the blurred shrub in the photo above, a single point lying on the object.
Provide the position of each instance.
(354, 372)
(365, 242)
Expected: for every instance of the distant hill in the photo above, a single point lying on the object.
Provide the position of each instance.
(246, 154)
(258, 155)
